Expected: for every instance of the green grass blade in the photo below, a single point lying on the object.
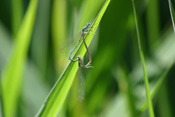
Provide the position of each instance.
(17, 12)
(60, 90)
(150, 107)
(11, 79)
(153, 23)
(59, 28)
(156, 87)
(126, 89)
(89, 9)
(172, 14)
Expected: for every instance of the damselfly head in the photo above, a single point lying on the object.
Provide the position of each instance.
(88, 23)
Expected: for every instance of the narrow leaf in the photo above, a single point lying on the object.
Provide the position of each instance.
(156, 87)
(172, 14)
(17, 12)
(11, 79)
(150, 107)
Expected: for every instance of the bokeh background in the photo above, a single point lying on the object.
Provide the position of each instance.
(115, 84)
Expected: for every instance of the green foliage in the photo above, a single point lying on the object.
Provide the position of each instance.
(60, 90)
(17, 11)
(11, 79)
(150, 107)
(132, 58)
(172, 14)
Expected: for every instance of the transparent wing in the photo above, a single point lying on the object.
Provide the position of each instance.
(81, 86)
(66, 46)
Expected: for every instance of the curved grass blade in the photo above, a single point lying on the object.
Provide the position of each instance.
(60, 90)
(172, 14)
(11, 79)
(58, 25)
(149, 101)
(17, 11)
(157, 87)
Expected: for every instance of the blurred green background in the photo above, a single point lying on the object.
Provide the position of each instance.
(115, 86)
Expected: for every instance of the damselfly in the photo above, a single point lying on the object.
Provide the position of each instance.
(81, 82)
(78, 58)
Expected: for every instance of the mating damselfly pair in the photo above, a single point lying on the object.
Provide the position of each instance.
(81, 83)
